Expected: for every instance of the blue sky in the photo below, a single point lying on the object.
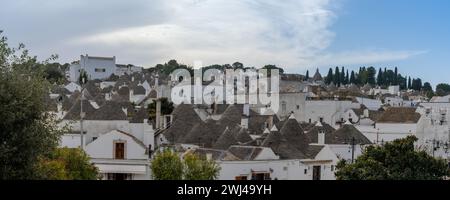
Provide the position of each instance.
(297, 35)
(399, 25)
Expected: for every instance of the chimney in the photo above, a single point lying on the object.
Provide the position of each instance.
(209, 156)
(158, 113)
(270, 121)
(148, 138)
(321, 135)
(245, 116)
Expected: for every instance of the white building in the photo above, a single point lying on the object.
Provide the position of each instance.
(120, 156)
(371, 104)
(433, 129)
(120, 147)
(261, 163)
(394, 123)
(99, 68)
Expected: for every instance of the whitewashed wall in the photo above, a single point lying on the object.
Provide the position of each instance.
(279, 169)
(103, 147)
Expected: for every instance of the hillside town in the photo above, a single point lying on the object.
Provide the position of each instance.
(122, 115)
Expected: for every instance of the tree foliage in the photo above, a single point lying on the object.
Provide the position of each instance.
(167, 165)
(369, 75)
(166, 108)
(66, 164)
(27, 130)
(443, 89)
(169, 67)
(199, 168)
(397, 160)
(29, 134)
(270, 67)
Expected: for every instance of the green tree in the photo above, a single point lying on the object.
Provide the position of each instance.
(416, 84)
(270, 67)
(380, 78)
(166, 108)
(363, 76)
(397, 160)
(67, 164)
(83, 78)
(427, 87)
(337, 77)
(330, 77)
(352, 78)
(347, 78)
(430, 94)
(28, 132)
(396, 76)
(443, 89)
(409, 83)
(172, 65)
(238, 65)
(371, 72)
(199, 168)
(167, 165)
(53, 72)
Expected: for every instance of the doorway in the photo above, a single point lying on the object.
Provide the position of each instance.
(119, 152)
(316, 173)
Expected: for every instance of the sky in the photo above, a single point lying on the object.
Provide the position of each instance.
(297, 35)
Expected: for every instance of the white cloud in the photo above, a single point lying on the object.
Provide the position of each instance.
(294, 34)
(224, 31)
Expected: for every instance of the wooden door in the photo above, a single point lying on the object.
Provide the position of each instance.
(120, 151)
(316, 173)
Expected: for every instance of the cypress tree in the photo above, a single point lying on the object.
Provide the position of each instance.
(352, 78)
(329, 77)
(380, 78)
(337, 77)
(409, 83)
(347, 79)
(396, 76)
(307, 75)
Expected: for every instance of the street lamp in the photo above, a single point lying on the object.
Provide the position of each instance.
(82, 114)
(352, 147)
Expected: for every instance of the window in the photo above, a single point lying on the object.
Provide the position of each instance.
(94, 138)
(298, 107)
(119, 150)
(100, 70)
(119, 177)
(240, 178)
(306, 171)
(261, 176)
(321, 119)
(332, 168)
